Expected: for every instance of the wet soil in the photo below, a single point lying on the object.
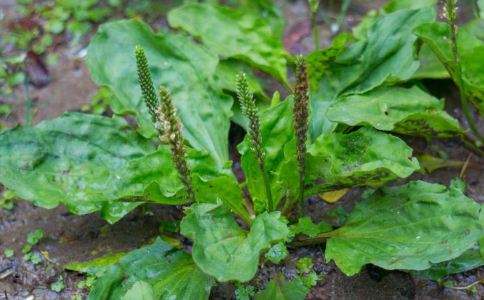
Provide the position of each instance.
(77, 238)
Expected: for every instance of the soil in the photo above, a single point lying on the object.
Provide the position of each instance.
(67, 87)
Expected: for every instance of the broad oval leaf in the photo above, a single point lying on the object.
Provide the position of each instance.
(224, 250)
(240, 34)
(384, 56)
(93, 163)
(403, 110)
(166, 273)
(183, 66)
(407, 227)
(364, 157)
(72, 160)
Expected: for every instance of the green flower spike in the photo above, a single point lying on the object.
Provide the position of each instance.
(247, 103)
(144, 78)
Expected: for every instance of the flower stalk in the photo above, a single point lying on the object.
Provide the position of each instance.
(247, 103)
(313, 7)
(301, 114)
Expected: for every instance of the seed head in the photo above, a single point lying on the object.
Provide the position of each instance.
(450, 11)
(170, 131)
(301, 114)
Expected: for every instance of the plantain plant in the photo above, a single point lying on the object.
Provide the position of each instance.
(332, 132)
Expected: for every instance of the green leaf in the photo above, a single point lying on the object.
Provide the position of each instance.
(394, 5)
(8, 252)
(310, 279)
(408, 227)
(74, 160)
(480, 5)
(305, 265)
(235, 33)
(469, 260)
(277, 253)
(221, 248)
(402, 110)
(430, 65)
(281, 289)
(35, 258)
(269, 10)
(481, 246)
(96, 265)
(178, 63)
(431, 163)
(226, 72)
(170, 273)
(244, 292)
(385, 56)
(140, 291)
(471, 53)
(276, 125)
(306, 226)
(34, 237)
(364, 157)
(221, 187)
(58, 286)
(93, 163)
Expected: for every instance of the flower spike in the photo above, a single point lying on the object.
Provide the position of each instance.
(301, 114)
(170, 131)
(145, 82)
(247, 103)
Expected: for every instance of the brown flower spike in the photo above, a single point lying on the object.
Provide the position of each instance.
(301, 114)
